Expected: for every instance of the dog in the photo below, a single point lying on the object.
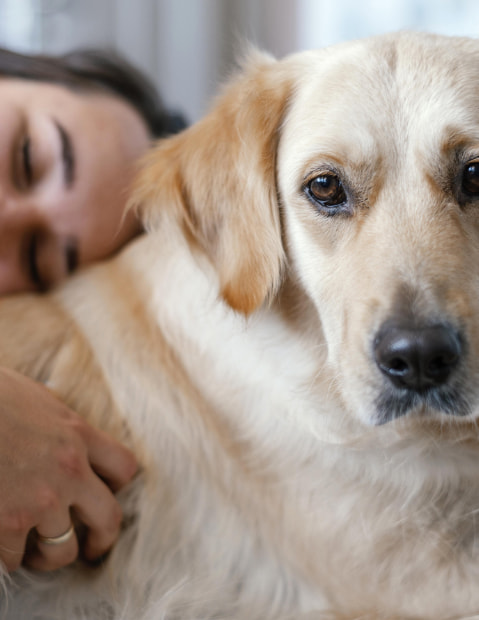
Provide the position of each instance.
(292, 350)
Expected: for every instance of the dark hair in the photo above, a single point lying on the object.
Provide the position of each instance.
(96, 70)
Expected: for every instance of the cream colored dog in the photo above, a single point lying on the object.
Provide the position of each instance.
(292, 350)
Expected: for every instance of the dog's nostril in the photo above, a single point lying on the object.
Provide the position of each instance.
(417, 358)
(398, 365)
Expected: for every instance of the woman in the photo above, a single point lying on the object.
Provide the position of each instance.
(72, 128)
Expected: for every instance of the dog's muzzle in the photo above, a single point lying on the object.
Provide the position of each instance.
(419, 364)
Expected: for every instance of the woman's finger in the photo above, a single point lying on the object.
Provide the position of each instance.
(12, 549)
(111, 460)
(98, 510)
(56, 544)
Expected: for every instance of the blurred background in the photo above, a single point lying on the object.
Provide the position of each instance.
(188, 46)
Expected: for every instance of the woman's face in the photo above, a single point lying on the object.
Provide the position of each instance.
(66, 161)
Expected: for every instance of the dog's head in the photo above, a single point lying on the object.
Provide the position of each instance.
(352, 172)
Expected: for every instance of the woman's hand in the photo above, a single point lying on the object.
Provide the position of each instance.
(54, 466)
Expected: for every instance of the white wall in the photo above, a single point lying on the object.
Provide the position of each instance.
(324, 22)
(188, 46)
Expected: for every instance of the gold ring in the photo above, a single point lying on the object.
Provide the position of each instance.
(57, 540)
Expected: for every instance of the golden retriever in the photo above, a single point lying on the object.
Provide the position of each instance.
(292, 350)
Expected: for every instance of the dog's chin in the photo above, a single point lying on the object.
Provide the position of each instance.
(395, 403)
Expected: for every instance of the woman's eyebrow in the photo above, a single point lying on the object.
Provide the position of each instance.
(67, 154)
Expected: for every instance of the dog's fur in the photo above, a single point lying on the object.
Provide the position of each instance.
(233, 346)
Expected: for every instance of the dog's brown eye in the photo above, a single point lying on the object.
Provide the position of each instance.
(327, 191)
(470, 178)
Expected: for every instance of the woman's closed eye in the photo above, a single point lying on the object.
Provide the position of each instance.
(33, 269)
(27, 160)
(23, 163)
(49, 259)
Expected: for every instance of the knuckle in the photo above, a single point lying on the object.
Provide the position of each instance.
(64, 411)
(130, 467)
(112, 522)
(72, 461)
(116, 517)
(48, 500)
(78, 426)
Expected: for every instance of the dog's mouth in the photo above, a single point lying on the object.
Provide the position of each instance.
(394, 403)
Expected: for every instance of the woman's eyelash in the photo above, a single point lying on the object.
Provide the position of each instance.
(27, 160)
(35, 276)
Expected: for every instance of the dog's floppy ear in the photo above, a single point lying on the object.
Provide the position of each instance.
(219, 176)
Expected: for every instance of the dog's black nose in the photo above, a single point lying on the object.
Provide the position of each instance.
(417, 358)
